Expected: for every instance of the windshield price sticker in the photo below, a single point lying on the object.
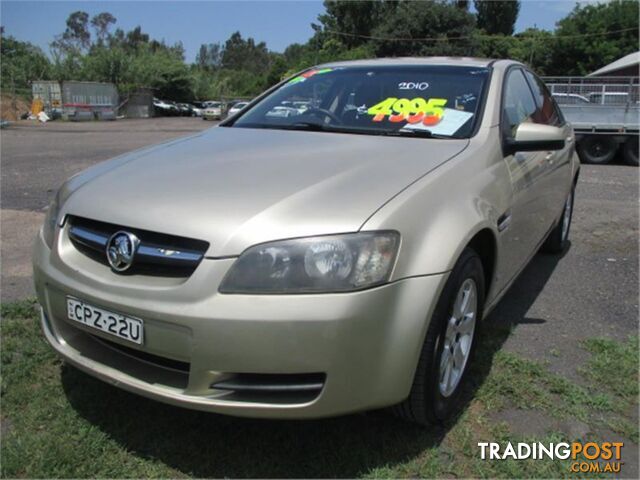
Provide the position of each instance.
(309, 74)
(413, 86)
(415, 110)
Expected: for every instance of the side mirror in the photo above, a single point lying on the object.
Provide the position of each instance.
(535, 137)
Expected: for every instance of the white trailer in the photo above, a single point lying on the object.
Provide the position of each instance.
(604, 112)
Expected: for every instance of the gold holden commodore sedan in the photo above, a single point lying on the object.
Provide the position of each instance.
(335, 259)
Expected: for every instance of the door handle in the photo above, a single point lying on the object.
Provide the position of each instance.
(550, 156)
(504, 221)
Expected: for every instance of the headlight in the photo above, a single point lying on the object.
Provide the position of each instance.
(336, 263)
(50, 221)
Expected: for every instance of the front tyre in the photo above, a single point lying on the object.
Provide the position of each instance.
(558, 239)
(448, 346)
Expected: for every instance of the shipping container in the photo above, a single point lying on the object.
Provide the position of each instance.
(100, 99)
(49, 93)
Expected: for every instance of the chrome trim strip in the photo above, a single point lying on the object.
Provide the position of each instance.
(168, 255)
(146, 253)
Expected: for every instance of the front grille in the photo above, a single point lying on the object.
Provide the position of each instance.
(157, 255)
(149, 358)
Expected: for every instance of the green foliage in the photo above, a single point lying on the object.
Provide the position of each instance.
(409, 20)
(583, 54)
(531, 47)
(209, 56)
(584, 41)
(77, 34)
(497, 17)
(101, 23)
(241, 54)
(22, 62)
(355, 17)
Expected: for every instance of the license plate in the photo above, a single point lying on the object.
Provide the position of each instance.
(116, 324)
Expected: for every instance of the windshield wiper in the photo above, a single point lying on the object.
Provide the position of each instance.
(410, 132)
(311, 126)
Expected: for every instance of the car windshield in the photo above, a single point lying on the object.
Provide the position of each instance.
(438, 101)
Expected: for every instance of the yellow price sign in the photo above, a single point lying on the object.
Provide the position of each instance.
(414, 110)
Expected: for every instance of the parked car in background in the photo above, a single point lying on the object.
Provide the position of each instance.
(164, 108)
(302, 106)
(183, 109)
(195, 110)
(283, 112)
(212, 111)
(237, 107)
(317, 264)
(189, 110)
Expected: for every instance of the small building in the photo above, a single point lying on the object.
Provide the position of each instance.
(626, 66)
(138, 104)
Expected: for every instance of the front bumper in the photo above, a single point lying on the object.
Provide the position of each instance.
(365, 344)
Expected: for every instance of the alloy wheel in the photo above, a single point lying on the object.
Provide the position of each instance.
(458, 337)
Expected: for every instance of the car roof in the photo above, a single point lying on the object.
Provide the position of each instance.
(379, 62)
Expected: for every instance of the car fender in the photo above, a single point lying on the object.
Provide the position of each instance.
(440, 214)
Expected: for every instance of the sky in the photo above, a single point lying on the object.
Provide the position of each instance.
(278, 23)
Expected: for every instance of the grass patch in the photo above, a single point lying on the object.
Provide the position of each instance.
(22, 309)
(58, 422)
(614, 366)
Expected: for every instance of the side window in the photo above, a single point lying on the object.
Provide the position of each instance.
(519, 105)
(547, 112)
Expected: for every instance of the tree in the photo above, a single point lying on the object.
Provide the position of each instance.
(353, 19)
(22, 62)
(209, 56)
(241, 54)
(416, 20)
(136, 38)
(533, 47)
(77, 34)
(101, 23)
(590, 37)
(497, 17)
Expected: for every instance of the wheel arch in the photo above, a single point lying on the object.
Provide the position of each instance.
(484, 243)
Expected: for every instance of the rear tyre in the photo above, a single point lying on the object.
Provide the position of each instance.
(558, 239)
(630, 151)
(448, 347)
(597, 149)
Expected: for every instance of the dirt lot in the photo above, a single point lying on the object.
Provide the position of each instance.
(556, 307)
